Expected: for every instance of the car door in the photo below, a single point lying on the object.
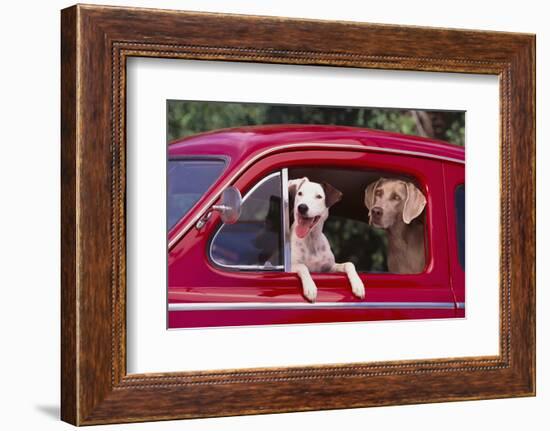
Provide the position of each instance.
(455, 191)
(204, 290)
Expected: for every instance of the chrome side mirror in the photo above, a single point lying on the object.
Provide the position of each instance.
(230, 206)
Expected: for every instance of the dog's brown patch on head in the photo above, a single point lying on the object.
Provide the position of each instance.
(294, 186)
(332, 194)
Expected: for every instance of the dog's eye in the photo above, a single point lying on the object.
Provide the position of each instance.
(378, 193)
(396, 197)
(299, 193)
(319, 197)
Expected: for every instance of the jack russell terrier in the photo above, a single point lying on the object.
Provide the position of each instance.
(310, 249)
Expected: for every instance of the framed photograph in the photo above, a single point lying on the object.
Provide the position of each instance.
(251, 206)
(333, 224)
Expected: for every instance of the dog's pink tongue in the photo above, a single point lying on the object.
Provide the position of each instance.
(302, 228)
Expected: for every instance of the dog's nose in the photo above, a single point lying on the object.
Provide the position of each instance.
(376, 212)
(302, 209)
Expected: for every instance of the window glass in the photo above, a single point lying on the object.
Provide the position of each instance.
(353, 236)
(188, 180)
(460, 223)
(255, 241)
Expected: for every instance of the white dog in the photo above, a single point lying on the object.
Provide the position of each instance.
(310, 249)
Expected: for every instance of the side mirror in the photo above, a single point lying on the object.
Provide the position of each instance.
(230, 206)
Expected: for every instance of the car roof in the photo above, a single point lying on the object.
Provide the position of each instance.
(241, 143)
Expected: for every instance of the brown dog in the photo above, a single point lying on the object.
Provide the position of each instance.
(394, 205)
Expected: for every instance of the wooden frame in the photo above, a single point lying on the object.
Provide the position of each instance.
(96, 41)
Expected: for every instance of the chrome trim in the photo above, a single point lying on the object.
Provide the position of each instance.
(246, 267)
(461, 305)
(252, 160)
(286, 220)
(259, 183)
(213, 306)
(253, 267)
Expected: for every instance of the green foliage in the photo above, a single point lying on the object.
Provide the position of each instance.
(455, 133)
(391, 121)
(188, 118)
(357, 242)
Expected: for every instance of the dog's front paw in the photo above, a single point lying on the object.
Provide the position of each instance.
(357, 287)
(310, 291)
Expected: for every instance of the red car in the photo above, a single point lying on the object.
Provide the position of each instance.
(238, 272)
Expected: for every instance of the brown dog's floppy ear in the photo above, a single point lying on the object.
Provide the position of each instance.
(332, 194)
(294, 185)
(369, 193)
(414, 204)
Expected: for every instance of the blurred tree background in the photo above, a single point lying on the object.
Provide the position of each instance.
(356, 241)
(188, 118)
(351, 238)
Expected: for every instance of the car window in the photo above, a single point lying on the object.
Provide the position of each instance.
(187, 182)
(348, 228)
(460, 223)
(255, 241)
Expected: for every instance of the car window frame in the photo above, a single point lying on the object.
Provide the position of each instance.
(286, 249)
(285, 267)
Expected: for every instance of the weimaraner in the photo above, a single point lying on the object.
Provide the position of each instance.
(394, 205)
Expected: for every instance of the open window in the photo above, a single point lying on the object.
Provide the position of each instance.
(351, 236)
(260, 240)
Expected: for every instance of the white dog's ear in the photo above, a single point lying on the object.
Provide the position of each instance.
(332, 194)
(369, 193)
(414, 204)
(294, 185)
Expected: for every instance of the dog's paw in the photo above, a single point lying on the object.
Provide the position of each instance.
(357, 287)
(310, 292)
